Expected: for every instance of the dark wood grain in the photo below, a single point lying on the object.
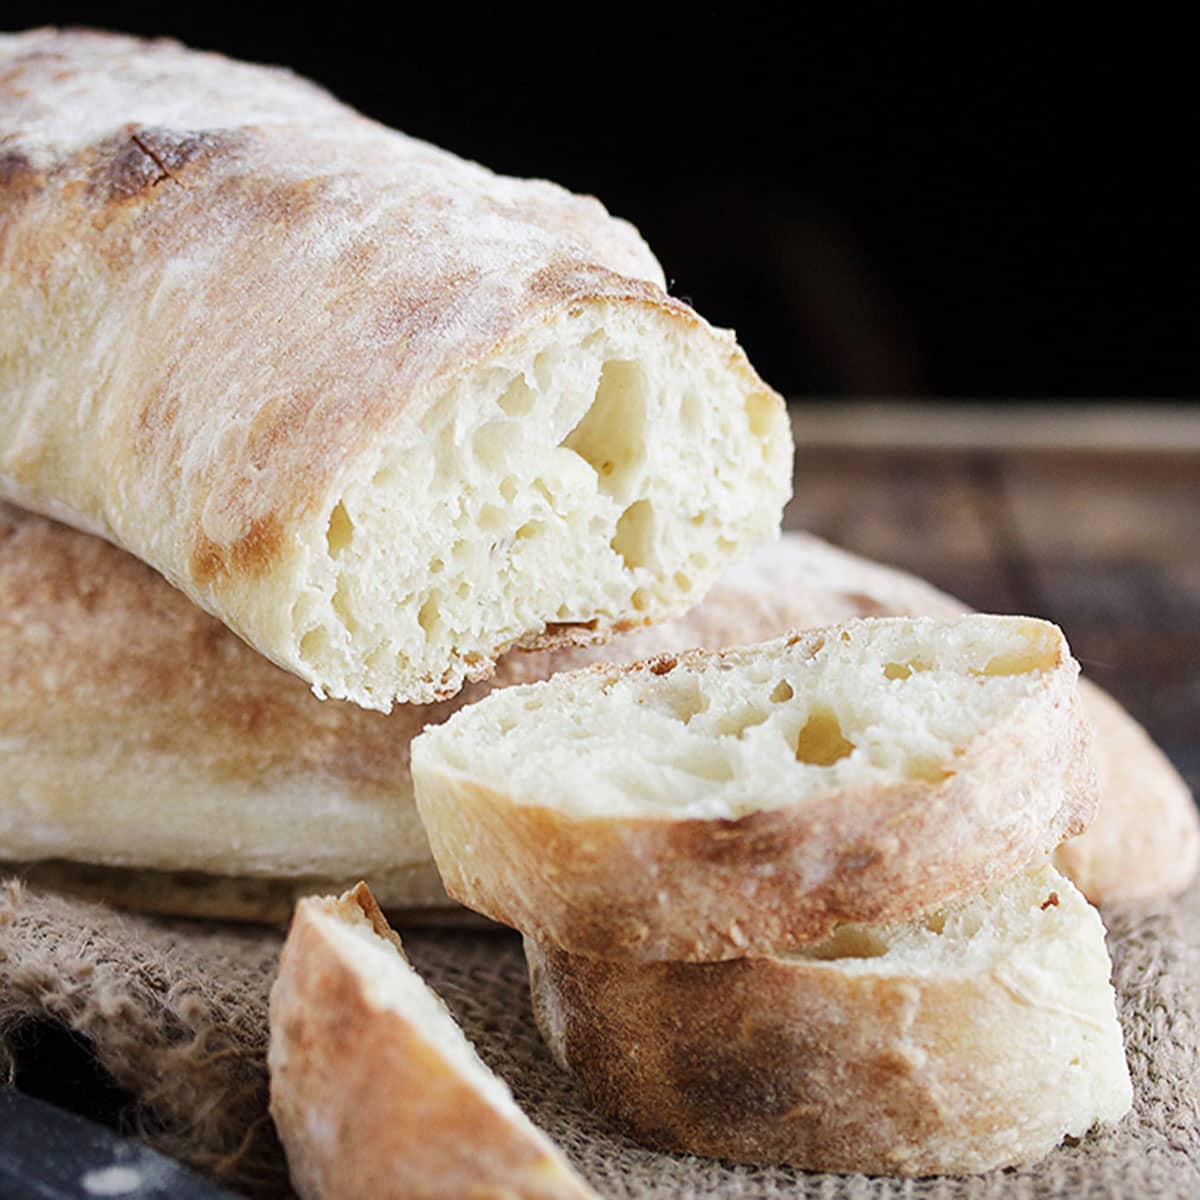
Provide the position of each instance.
(1105, 543)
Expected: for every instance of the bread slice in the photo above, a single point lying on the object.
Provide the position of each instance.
(709, 806)
(384, 413)
(375, 1090)
(975, 1037)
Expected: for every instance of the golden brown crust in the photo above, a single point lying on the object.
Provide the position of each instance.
(913, 1072)
(697, 890)
(366, 1102)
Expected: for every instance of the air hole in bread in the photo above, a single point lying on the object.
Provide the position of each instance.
(641, 599)
(634, 539)
(782, 692)
(850, 941)
(609, 437)
(340, 530)
(1020, 663)
(427, 618)
(682, 582)
(492, 519)
(508, 489)
(685, 701)
(760, 413)
(821, 742)
(518, 398)
(530, 529)
(314, 644)
(897, 670)
(544, 367)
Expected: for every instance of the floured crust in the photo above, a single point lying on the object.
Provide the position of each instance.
(262, 289)
(368, 1099)
(922, 1069)
(659, 886)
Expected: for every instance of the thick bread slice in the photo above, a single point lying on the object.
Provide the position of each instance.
(381, 411)
(709, 806)
(973, 1038)
(375, 1090)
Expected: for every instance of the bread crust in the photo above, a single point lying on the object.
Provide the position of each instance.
(767, 1060)
(695, 890)
(1145, 839)
(217, 312)
(366, 1102)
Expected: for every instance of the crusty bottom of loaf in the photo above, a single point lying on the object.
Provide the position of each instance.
(412, 897)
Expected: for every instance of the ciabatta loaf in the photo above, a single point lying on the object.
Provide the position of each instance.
(709, 806)
(375, 1090)
(381, 411)
(151, 759)
(978, 1036)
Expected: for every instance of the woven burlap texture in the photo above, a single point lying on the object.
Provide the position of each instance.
(175, 1012)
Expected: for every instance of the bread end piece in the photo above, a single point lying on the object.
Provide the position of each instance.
(973, 1038)
(375, 1091)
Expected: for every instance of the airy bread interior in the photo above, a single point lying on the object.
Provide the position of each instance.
(717, 736)
(603, 470)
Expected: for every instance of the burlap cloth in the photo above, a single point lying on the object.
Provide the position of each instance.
(175, 1012)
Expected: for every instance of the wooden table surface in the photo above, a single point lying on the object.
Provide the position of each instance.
(1055, 517)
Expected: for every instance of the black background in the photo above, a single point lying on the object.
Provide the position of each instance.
(982, 211)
